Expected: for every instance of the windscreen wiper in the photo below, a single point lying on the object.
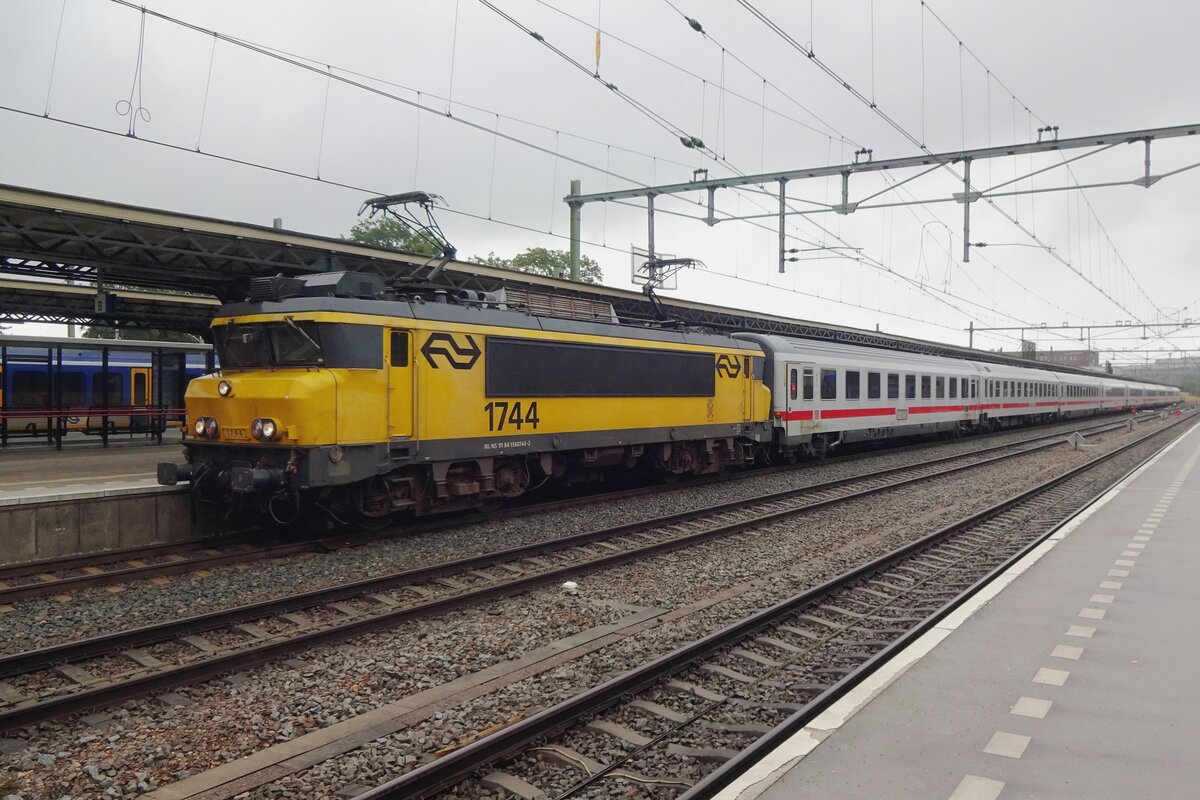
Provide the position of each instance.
(300, 330)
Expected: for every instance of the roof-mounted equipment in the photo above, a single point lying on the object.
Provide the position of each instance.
(398, 207)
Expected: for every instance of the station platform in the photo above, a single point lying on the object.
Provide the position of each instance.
(1073, 675)
(29, 473)
(86, 499)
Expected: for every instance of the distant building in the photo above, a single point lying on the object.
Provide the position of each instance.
(1080, 359)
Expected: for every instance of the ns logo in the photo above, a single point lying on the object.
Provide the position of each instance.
(444, 349)
(729, 366)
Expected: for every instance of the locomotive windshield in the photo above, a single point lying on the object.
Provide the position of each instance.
(291, 343)
(270, 344)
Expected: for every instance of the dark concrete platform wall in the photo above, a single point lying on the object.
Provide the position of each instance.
(34, 531)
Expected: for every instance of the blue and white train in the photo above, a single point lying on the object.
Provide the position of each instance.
(95, 387)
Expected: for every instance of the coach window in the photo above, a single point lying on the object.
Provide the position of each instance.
(852, 384)
(926, 384)
(973, 388)
(29, 390)
(940, 384)
(73, 388)
(114, 389)
(872, 385)
(808, 384)
(910, 386)
(829, 384)
(893, 386)
(953, 387)
(793, 384)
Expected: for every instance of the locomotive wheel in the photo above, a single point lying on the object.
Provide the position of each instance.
(372, 505)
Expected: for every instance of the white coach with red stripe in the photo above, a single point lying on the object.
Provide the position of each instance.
(825, 394)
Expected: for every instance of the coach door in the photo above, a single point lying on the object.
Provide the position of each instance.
(139, 386)
(799, 392)
(400, 384)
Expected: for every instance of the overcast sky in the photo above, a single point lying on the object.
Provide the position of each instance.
(1092, 67)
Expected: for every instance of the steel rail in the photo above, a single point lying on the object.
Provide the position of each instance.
(26, 591)
(460, 764)
(105, 643)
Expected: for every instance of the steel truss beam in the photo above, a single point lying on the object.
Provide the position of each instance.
(929, 163)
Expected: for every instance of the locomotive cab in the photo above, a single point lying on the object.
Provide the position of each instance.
(305, 400)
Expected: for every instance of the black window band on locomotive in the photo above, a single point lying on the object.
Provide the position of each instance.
(532, 368)
(291, 343)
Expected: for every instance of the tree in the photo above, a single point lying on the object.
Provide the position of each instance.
(394, 235)
(139, 334)
(542, 261)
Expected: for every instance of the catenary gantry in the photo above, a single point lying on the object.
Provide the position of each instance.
(137, 253)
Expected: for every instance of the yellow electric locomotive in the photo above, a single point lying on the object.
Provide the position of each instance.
(338, 395)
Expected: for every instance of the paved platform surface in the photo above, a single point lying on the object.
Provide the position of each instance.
(1077, 679)
(38, 474)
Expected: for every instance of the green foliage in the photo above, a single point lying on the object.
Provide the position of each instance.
(138, 334)
(542, 261)
(394, 235)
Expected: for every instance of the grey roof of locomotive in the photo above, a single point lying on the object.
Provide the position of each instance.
(475, 314)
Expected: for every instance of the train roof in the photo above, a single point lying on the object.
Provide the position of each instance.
(480, 314)
(77, 343)
(808, 349)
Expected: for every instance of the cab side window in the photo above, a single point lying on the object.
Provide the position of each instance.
(399, 356)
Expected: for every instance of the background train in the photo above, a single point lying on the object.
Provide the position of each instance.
(65, 385)
(337, 395)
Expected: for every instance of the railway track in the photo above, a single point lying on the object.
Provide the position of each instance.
(62, 679)
(691, 721)
(61, 576)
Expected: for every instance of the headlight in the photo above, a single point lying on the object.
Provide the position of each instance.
(199, 426)
(210, 427)
(224, 388)
(264, 429)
